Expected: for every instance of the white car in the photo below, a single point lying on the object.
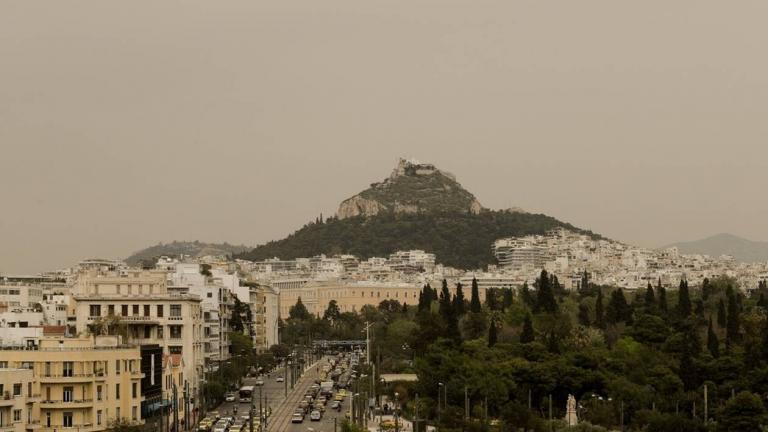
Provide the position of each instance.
(315, 415)
(230, 397)
(297, 418)
(280, 379)
(259, 382)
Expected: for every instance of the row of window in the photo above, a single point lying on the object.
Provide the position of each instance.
(175, 310)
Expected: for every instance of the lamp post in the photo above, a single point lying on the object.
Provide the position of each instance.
(397, 418)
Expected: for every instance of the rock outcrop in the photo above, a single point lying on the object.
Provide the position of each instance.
(412, 187)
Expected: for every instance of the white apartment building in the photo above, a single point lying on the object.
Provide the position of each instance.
(264, 302)
(140, 301)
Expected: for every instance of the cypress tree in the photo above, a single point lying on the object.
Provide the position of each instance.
(733, 322)
(683, 300)
(721, 318)
(545, 298)
(552, 345)
(474, 304)
(508, 298)
(713, 344)
(650, 298)
(527, 335)
(618, 309)
(662, 292)
(445, 302)
(583, 315)
(761, 301)
(705, 289)
(492, 335)
(584, 285)
(599, 315)
(699, 310)
(525, 293)
(458, 301)
(405, 308)
(490, 299)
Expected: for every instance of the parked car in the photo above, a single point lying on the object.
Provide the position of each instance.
(230, 397)
(259, 382)
(280, 379)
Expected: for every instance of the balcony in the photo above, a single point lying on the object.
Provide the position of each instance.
(7, 428)
(55, 378)
(175, 318)
(87, 427)
(7, 400)
(60, 404)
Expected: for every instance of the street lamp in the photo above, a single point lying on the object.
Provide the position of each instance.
(397, 419)
(439, 408)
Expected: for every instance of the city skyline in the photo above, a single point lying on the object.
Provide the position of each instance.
(124, 131)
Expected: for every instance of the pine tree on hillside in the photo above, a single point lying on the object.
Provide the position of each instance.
(474, 304)
(525, 295)
(527, 336)
(508, 299)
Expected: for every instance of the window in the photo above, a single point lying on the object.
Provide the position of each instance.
(147, 332)
(98, 417)
(69, 369)
(160, 311)
(67, 419)
(134, 390)
(47, 369)
(117, 391)
(174, 350)
(146, 310)
(160, 332)
(17, 389)
(111, 310)
(117, 413)
(134, 413)
(99, 394)
(175, 331)
(48, 419)
(3, 365)
(95, 310)
(17, 415)
(117, 367)
(124, 310)
(210, 295)
(176, 310)
(67, 394)
(29, 389)
(135, 309)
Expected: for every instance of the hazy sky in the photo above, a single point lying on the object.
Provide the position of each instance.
(127, 123)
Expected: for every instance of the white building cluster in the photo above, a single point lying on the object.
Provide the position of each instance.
(568, 254)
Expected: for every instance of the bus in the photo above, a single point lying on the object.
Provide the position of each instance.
(246, 392)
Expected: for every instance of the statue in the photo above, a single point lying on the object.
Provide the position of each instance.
(571, 416)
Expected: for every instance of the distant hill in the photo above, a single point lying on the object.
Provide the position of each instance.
(413, 187)
(176, 248)
(727, 244)
(461, 240)
(417, 207)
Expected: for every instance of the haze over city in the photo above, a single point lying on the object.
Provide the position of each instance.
(126, 124)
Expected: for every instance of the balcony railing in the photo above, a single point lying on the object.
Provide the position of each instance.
(72, 401)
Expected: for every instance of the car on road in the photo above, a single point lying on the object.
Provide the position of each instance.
(280, 379)
(336, 405)
(315, 415)
(230, 397)
(297, 418)
(259, 382)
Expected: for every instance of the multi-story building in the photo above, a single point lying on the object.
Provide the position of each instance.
(19, 406)
(78, 383)
(138, 303)
(350, 296)
(264, 303)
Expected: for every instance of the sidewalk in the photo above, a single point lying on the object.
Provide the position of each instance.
(373, 424)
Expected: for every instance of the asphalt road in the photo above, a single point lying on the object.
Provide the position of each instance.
(273, 391)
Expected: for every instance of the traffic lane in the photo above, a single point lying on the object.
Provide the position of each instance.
(272, 390)
(326, 424)
(281, 419)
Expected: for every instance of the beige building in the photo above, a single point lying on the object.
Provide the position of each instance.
(138, 304)
(80, 383)
(350, 296)
(264, 303)
(19, 405)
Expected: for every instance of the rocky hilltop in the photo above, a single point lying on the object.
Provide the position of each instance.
(413, 187)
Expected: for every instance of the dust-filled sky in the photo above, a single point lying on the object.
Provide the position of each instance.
(127, 123)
